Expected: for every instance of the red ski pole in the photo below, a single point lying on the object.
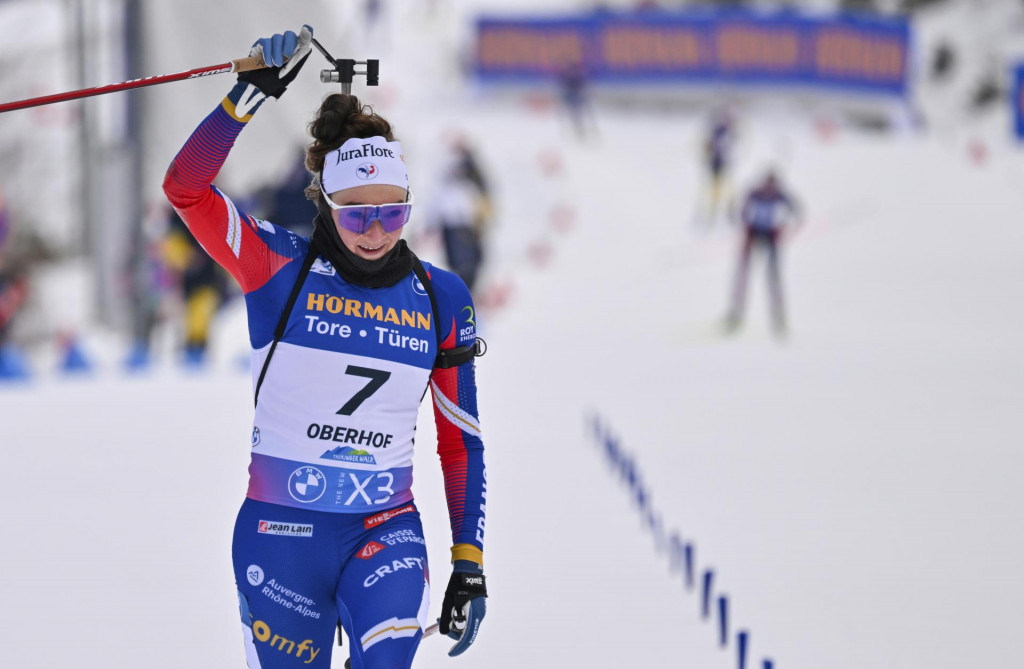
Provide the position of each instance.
(237, 65)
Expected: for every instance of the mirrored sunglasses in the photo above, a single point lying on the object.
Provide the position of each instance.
(358, 218)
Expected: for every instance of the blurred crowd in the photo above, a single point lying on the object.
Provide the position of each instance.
(174, 287)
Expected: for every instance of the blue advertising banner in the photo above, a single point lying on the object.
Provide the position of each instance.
(850, 52)
(1018, 100)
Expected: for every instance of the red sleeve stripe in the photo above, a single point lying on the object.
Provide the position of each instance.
(204, 153)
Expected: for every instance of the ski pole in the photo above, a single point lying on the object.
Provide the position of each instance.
(237, 65)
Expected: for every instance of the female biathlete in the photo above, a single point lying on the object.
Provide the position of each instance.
(348, 329)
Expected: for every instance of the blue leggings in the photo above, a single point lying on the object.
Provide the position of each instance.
(300, 572)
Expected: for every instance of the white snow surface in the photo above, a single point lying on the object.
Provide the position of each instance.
(855, 487)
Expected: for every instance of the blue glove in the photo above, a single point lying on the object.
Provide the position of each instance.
(284, 55)
(464, 605)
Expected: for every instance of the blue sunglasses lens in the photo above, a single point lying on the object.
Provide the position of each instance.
(358, 219)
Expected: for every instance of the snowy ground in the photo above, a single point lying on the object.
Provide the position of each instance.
(855, 487)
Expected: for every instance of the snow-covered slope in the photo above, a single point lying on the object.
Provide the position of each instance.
(854, 487)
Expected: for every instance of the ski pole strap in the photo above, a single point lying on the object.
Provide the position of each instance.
(307, 263)
(446, 358)
(452, 357)
(421, 273)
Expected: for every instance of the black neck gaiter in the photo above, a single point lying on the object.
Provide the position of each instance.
(386, 271)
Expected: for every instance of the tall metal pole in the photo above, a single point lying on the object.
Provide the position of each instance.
(86, 146)
(134, 264)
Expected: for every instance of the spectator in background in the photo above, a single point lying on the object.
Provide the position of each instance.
(13, 291)
(286, 203)
(572, 82)
(147, 283)
(462, 212)
(202, 283)
(768, 214)
(717, 153)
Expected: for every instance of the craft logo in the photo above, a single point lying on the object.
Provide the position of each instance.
(254, 574)
(285, 529)
(306, 484)
(417, 286)
(255, 436)
(367, 171)
(385, 516)
(349, 454)
(369, 550)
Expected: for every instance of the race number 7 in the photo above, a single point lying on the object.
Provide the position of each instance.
(377, 378)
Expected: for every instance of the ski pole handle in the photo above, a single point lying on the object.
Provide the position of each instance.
(248, 63)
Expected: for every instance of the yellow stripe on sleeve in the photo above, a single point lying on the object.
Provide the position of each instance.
(468, 552)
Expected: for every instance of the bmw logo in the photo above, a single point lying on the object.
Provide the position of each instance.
(306, 484)
(255, 437)
(367, 171)
(417, 286)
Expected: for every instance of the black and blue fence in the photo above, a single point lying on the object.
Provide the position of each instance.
(681, 553)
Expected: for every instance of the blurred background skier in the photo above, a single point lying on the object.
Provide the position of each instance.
(13, 293)
(462, 211)
(717, 153)
(768, 214)
(203, 287)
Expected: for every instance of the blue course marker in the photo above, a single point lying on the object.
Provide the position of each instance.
(723, 621)
(741, 649)
(768, 664)
(688, 564)
(675, 552)
(705, 596)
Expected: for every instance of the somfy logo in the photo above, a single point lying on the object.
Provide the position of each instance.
(367, 171)
(255, 574)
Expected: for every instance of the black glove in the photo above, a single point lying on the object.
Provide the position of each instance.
(464, 605)
(284, 55)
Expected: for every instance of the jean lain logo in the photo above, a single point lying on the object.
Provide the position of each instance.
(255, 437)
(366, 171)
(306, 484)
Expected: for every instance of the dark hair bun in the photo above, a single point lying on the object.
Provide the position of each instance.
(339, 119)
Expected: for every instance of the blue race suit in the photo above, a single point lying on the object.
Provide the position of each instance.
(329, 530)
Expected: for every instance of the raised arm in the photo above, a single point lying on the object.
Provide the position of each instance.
(239, 243)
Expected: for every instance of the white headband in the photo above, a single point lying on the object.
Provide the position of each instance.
(360, 162)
